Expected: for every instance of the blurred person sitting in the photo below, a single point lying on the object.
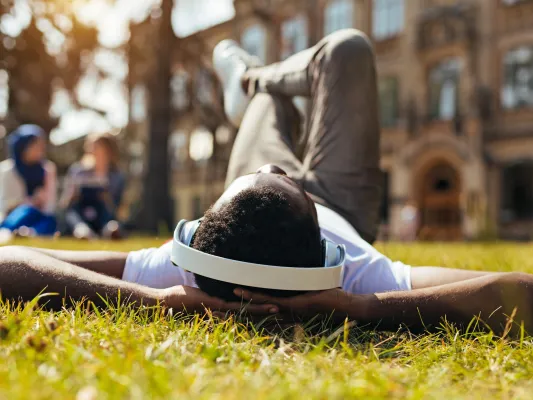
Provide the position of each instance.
(28, 185)
(93, 190)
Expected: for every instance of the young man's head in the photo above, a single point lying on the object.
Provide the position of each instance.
(264, 218)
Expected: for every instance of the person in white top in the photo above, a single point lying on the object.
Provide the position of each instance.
(28, 184)
(93, 190)
(277, 215)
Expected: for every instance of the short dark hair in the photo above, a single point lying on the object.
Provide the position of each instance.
(259, 225)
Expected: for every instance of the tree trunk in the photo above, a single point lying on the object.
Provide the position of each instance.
(156, 209)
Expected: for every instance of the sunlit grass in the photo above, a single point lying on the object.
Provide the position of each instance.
(122, 353)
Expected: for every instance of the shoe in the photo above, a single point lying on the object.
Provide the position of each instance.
(26, 232)
(5, 236)
(230, 63)
(83, 232)
(112, 231)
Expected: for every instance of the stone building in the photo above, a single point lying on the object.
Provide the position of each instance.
(456, 101)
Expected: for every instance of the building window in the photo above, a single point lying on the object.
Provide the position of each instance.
(178, 149)
(388, 17)
(294, 36)
(388, 101)
(517, 192)
(136, 151)
(201, 145)
(204, 87)
(254, 40)
(180, 91)
(338, 15)
(444, 89)
(196, 207)
(517, 90)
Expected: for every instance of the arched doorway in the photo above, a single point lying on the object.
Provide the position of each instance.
(439, 203)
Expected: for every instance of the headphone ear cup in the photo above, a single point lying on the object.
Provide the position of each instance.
(192, 232)
(331, 253)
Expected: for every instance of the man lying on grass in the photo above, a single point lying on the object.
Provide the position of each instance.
(326, 184)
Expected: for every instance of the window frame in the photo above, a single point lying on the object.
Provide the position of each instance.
(434, 113)
(516, 107)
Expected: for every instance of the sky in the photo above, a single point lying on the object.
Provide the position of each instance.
(112, 20)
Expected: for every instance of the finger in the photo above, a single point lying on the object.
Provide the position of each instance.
(263, 309)
(255, 297)
(220, 315)
(212, 303)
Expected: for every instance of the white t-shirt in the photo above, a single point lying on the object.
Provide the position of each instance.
(366, 269)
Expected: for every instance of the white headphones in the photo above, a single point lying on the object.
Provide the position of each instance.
(257, 275)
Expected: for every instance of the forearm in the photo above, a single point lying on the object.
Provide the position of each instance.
(492, 298)
(25, 273)
(425, 277)
(109, 263)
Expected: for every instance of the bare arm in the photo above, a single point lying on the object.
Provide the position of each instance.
(26, 273)
(109, 263)
(493, 298)
(425, 277)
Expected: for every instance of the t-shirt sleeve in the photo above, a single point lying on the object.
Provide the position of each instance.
(152, 267)
(382, 277)
(368, 271)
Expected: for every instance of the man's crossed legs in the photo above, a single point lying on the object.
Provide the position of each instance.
(334, 153)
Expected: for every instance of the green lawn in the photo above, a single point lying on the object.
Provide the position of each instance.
(123, 354)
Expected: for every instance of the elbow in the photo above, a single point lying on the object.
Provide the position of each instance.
(512, 281)
(513, 293)
(510, 287)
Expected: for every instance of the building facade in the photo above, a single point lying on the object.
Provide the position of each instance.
(456, 106)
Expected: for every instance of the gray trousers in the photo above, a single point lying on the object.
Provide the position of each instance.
(334, 153)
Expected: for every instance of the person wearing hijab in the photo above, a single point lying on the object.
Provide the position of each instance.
(28, 184)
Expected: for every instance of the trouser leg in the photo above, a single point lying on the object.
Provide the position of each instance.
(336, 156)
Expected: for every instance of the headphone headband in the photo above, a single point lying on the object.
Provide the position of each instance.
(258, 275)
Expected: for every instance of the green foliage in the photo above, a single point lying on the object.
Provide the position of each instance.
(122, 353)
(53, 51)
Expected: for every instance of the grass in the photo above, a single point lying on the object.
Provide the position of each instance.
(121, 353)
